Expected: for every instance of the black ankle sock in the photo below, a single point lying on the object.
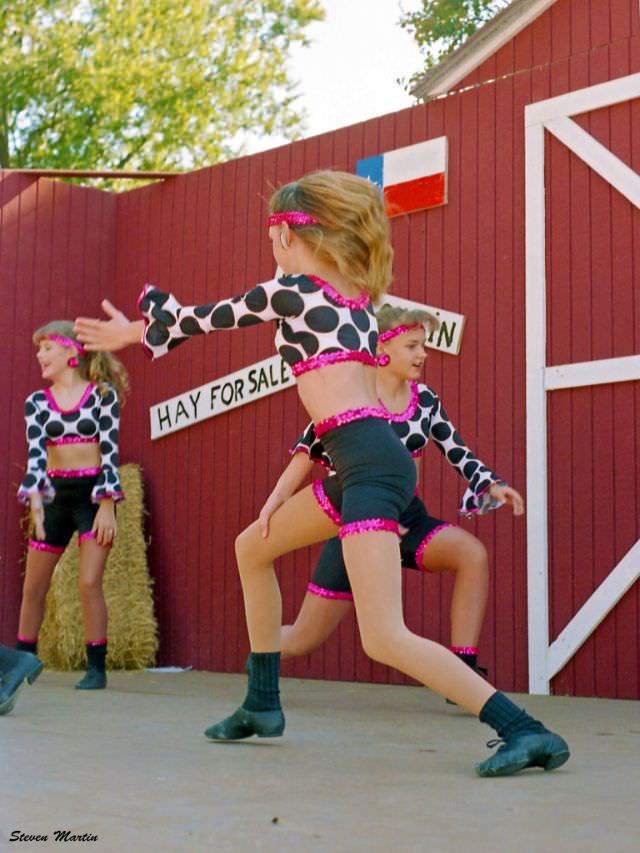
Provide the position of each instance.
(470, 660)
(507, 718)
(27, 646)
(97, 656)
(264, 675)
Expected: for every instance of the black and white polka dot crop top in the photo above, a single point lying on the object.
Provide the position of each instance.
(95, 419)
(425, 419)
(316, 324)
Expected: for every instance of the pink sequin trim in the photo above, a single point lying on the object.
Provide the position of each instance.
(292, 217)
(43, 546)
(327, 358)
(26, 639)
(68, 342)
(71, 439)
(463, 650)
(116, 497)
(348, 417)
(368, 525)
(324, 502)
(67, 473)
(417, 453)
(146, 349)
(78, 405)
(91, 534)
(398, 417)
(101, 642)
(301, 448)
(399, 330)
(361, 302)
(329, 593)
(426, 540)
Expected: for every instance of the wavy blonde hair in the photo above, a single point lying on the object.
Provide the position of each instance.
(96, 367)
(391, 316)
(353, 229)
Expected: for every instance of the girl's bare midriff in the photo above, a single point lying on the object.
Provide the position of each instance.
(335, 388)
(71, 457)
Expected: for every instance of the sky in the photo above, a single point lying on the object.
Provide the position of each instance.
(349, 72)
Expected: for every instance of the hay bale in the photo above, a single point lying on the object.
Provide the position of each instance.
(133, 630)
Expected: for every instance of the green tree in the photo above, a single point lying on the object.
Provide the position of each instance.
(441, 26)
(145, 84)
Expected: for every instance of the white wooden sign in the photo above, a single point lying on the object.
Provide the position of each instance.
(223, 394)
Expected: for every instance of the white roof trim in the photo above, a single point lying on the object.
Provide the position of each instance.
(486, 41)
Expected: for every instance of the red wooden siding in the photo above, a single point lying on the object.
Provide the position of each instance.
(204, 237)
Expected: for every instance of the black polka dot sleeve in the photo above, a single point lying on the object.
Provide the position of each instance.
(35, 479)
(168, 323)
(108, 483)
(476, 499)
(310, 444)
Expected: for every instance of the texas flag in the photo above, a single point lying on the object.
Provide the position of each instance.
(411, 178)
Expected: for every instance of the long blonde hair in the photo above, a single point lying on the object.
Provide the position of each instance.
(96, 367)
(391, 316)
(353, 229)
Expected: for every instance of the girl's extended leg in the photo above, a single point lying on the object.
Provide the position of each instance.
(454, 550)
(297, 523)
(40, 566)
(93, 558)
(373, 565)
(317, 619)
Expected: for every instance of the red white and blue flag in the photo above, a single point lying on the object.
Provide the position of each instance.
(411, 178)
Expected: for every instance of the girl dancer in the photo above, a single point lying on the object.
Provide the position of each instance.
(427, 543)
(329, 235)
(72, 482)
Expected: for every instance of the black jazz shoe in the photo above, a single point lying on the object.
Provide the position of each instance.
(532, 749)
(243, 724)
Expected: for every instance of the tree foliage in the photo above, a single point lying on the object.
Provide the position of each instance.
(144, 84)
(441, 26)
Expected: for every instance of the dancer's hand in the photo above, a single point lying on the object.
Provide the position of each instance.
(273, 502)
(37, 515)
(108, 335)
(104, 524)
(507, 495)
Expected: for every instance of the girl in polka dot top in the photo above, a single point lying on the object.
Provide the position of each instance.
(428, 543)
(72, 481)
(330, 235)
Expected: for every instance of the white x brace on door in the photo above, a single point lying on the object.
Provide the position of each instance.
(553, 115)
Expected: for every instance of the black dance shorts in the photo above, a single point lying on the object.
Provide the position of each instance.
(70, 510)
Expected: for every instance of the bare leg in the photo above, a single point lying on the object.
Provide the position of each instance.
(373, 565)
(37, 579)
(297, 523)
(94, 609)
(454, 550)
(317, 619)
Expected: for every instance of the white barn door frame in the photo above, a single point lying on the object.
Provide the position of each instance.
(553, 115)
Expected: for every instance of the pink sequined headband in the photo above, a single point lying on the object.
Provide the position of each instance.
(292, 217)
(68, 342)
(399, 330)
